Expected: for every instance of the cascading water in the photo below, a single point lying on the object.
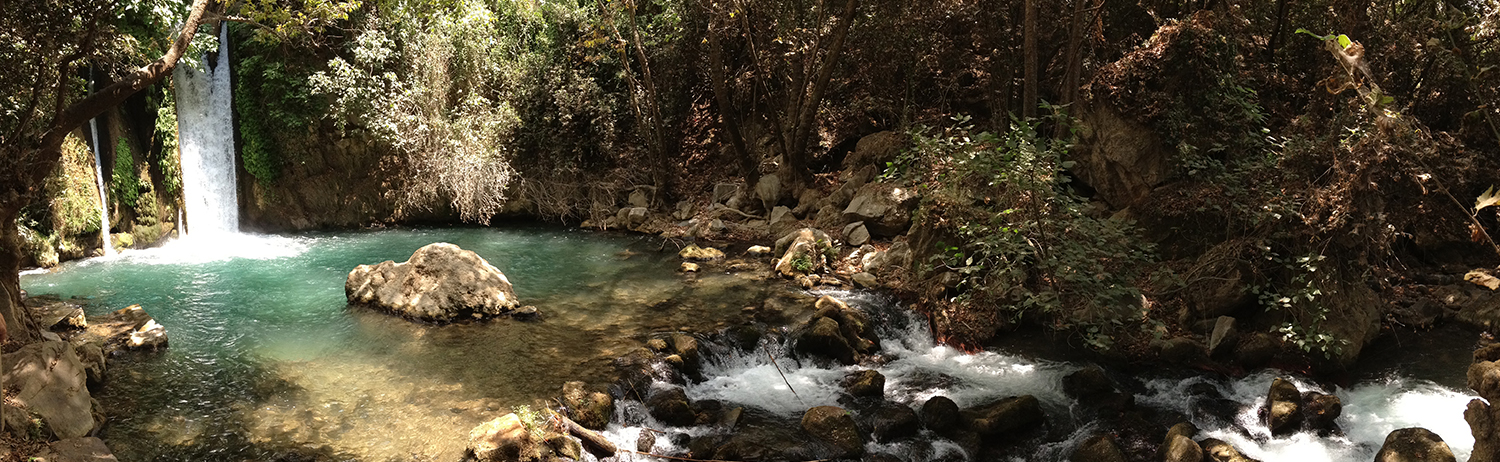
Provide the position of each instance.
(109, 250)
(206, 137)
(916, 370)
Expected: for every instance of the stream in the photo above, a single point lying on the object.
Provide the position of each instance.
(267, 362)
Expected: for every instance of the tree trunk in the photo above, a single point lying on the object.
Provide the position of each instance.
(794, 162)
(1276, 32)
(728, 118)
(1029, 86)
(18, 322)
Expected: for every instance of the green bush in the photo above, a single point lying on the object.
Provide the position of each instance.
(125, 181)
(1024, 239)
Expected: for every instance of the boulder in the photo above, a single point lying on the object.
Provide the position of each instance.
(1320, 412)
(440, 283)
(693, 252)
(1217, 450)
(758, 250)
(86, 449)
(504, 439)
(149, 336)
(865, 280)
(835, 426)
(890, 421)
(825, 338)
(591, 409)
(1004, 416)
(1087, 382)
(91, 355)
(1119, 157)
(782, 221)
(1099, 448)
(1283, 408)
(876, 150)
(1255, 350)
(688, 267)
(1181, 350)
(56, 314)
(724, 191)
(805, 252)
(683, 210)
(670, 406)
(940, 414)
(1483, 278)
(768, 190)
(1482, 413)
(1223, 336)
(565, 446)
(636, 217)
(864, 384)
(856, 234)
(686, 346)
(1179, 448)
(640, 198)
(50, 383)
(828, 216)
(1414, 444)
(884, 208)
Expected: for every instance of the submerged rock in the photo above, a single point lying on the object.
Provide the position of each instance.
(440, 283)
(671, 407)
(126, 328)
(1414, 444)
(865, 383)
(1217, 450)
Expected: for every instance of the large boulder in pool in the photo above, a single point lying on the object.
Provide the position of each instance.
(440, 283)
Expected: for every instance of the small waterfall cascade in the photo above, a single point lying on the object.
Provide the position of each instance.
(109, 248)
(206, 138)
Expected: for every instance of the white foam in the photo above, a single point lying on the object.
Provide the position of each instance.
(211, 247)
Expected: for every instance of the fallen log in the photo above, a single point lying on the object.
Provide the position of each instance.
(595, 443)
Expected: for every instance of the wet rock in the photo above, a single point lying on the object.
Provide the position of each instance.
(1320, 412)
(686, 346)
(86, 449)
(688, 267)
(440, 283)
(890, 421)
(1099, 448)
(151, 336)
(693, 252)
(113, 331)
(1283, 407)
(855, 234)
(1219, 451)
(1087, 382)
(670, 406)
(1180, 448)
(1004, 416)
(834, 426)
(884, 208)
(591, 409)
(502, 439)
(91, 356)
(1482, 413)
(940, 414)
(825, 338)
(864, 384)
(565, 446)
(1223, 336)
(50, 383)
(1414, 444)
(646, 441)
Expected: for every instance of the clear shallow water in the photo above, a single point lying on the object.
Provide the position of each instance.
(266, 359)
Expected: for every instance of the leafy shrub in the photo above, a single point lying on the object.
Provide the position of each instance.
(125, 181)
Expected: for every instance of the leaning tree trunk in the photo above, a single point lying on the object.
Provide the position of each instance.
(18, 322)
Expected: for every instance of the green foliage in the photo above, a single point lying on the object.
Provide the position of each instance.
(125, 181)
(274, 101)
(165, 133)
(1297, 292)
(75, 196)
(1023, 237)
(802, 263)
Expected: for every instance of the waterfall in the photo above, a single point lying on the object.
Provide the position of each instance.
(206, 137)
(109, 249)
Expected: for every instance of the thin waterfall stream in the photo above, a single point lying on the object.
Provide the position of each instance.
(109, 248)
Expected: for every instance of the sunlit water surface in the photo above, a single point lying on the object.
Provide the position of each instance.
(267, 361)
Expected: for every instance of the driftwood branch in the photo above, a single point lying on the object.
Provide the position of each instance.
(595, 443)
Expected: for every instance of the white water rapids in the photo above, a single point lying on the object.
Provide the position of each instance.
(916, 370)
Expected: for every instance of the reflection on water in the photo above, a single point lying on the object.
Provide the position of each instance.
(266, 359)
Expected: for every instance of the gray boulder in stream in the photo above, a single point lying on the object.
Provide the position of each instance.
(1284, 407)
(440, 283)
